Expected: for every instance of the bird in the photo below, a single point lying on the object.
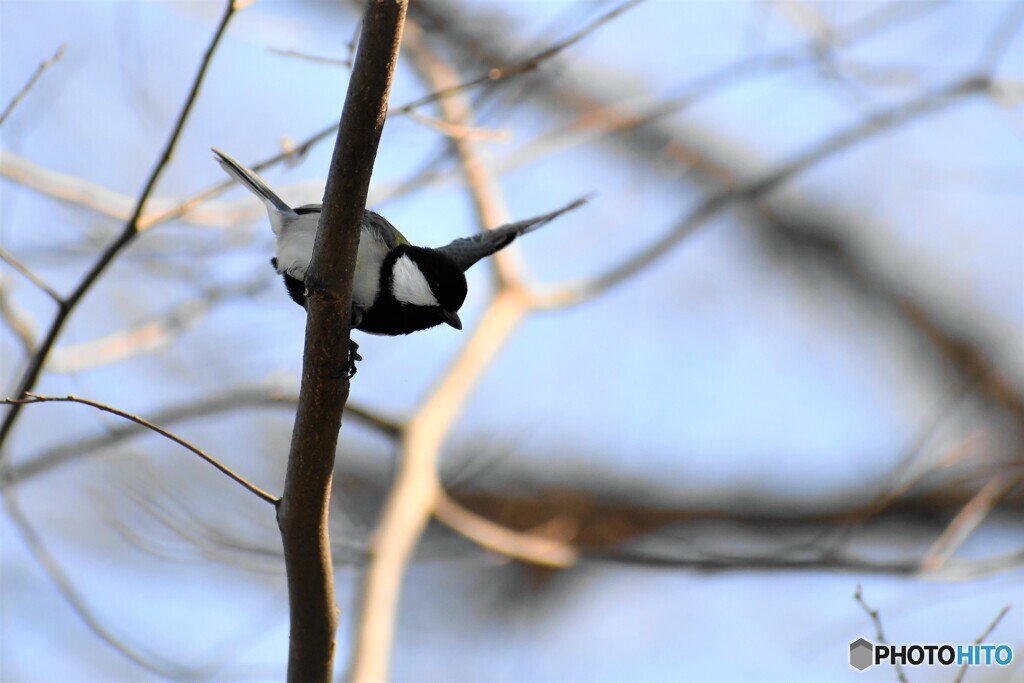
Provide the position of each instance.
(398, 288)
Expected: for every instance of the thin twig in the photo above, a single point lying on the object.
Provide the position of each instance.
(332, 61)
(79, 191)
(483, 45)
(520, 67)
(981, 639)
(39, 282)
(46, 64)
(36, 546)
(485, 189)
(569, 294)
(460, 132)
(863, 28)
(661, 140)
(966, 570)
(225, 401)
(155, 218)
(968, 519)
(491, 209)
(898, 482)
(14, 319)
(197, 535)
(879, 633)
(31, 398)
(130, 230)
(150, 335)
(31, 374)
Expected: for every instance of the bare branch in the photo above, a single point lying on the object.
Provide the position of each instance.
(460, 132)
(482, 45)
(897, 482)
(412, 497)
(101, 199)
(332, 61)
(151, 335)
(230, 400)
(525, 547)
(16, 321)
(981, 639)
(879, 633)
(658, 140)
(42, 555)
(969, 519)
(963, 570)
(417, 491)
(128, 233)
(39, 282)
(495, 75)
(574, 293)
(224, 469)
(523, 66)
(484, 187)
(46, 64)
(79, 191)
(304, 508)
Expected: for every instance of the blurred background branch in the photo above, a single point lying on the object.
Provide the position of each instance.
(819, 387)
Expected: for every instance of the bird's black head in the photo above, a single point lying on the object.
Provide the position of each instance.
(446, 281)
(420, 288)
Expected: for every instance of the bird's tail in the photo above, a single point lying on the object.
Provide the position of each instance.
(255, 184)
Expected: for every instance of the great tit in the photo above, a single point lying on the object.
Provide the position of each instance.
(398, 288)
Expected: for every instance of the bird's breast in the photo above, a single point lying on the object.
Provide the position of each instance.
(369, 259)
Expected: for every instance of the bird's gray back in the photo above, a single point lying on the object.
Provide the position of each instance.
(377, 238)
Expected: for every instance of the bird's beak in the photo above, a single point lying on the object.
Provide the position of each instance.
(452, 318)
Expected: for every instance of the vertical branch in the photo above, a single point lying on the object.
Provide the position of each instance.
(303, 510)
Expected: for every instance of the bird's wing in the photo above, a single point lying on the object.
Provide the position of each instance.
(466, 251)
(296, 238)
(382, 228)
(372, 221)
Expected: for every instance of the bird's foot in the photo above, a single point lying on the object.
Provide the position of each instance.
(348, 371)
(353, 355)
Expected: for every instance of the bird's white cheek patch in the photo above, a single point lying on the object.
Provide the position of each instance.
(409, 286)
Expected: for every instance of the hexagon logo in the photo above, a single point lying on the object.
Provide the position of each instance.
(861, 654)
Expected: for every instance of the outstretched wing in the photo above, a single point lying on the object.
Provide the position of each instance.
(465, 252)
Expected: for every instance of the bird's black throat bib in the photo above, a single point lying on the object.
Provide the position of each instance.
(391, 318)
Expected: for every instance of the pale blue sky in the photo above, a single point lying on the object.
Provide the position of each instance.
(724, 374)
